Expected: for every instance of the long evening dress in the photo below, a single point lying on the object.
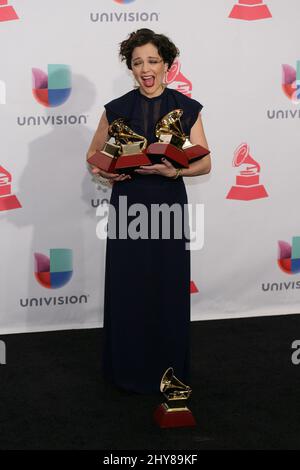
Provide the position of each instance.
(147, 281)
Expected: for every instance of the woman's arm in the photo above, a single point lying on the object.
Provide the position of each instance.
(197, 136)
(98, 141)
(100, 136)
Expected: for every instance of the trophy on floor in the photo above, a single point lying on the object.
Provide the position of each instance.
(125, 154)
(173, 143)
(174, 413)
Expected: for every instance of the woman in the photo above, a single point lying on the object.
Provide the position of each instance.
(147, 280)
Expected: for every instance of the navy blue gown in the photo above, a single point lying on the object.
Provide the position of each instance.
(147, 281)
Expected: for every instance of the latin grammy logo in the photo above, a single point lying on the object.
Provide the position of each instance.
(7, 12)
(250, 10)
(247, 185)
(193, 288)
(7, 200)
(176, 77)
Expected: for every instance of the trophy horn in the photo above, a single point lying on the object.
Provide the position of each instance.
(124, 135)
(173, 388)
(174, 412)
(170, 125)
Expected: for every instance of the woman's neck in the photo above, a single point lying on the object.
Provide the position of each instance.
(157, 92)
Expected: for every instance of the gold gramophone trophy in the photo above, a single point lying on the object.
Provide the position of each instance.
(173, 143)
(171, 139)
(125, 154)
(174, 413)
(194, 152)
(132, 147)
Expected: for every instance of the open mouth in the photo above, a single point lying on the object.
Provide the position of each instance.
(148, 80)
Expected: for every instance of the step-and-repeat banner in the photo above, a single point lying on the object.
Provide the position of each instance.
(59, 65)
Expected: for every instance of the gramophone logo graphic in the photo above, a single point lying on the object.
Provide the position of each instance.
(178, 80)
(7, 12)
(289, 256)
(291, 82)
(250, 10)
(7, 200)
(193, 288)
(247, 185)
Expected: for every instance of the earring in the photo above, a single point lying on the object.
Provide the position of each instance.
(165, 82)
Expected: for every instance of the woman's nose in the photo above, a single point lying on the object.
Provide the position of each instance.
(145, 67)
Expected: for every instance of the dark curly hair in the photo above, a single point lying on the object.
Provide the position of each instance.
(166, 48)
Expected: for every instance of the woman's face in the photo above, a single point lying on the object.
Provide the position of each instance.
(148, 69)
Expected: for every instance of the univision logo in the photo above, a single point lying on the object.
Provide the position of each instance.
(289, 262)
(54, 271)
(124, 16)
(102, 200)
(291, 88)
(289, 256)
(51, 90)
(54, 301)
(291, 82)
(54, 88)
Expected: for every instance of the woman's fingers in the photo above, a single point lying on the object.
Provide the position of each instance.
(167, 163)
(94, 169)
(122, 177)
(156, 166)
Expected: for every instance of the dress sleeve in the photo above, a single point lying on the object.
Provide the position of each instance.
(111, 115)
(119, 107)
(191, 109)
(194, 111)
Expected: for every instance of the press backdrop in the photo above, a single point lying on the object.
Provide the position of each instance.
(59, 65)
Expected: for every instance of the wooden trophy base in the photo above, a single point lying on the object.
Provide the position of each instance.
(128, 163)
(103, 161)
(167, 417)
(195, 152)
(175, 155)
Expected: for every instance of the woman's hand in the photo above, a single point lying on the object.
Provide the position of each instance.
(112, 177)
(165, 169)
